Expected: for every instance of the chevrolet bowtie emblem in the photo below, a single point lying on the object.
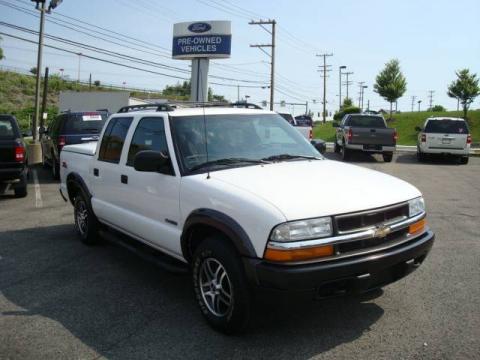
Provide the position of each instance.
(382, 231)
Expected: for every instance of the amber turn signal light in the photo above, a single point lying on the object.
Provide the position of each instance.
(417, 227)
(298, 254)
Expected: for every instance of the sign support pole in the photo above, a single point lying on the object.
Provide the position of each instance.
(199, 80)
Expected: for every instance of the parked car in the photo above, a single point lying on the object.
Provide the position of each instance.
(366, 133)
(217, 189)
(66, 129)
(444, 135)
(13, 156)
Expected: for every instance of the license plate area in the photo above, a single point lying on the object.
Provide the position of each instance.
(446, 141)
(372, 147)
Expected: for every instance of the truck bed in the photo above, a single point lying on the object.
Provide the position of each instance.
(372, 136)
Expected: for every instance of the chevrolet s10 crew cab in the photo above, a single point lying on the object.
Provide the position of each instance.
(217, 189)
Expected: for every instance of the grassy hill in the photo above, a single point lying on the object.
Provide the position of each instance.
(405, 124)
(17, 94)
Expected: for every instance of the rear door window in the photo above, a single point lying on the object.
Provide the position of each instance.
(7, 131)
(113, 140)
(149, 135)
(87, 123)
(446, 126)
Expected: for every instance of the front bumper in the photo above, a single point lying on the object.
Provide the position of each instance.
(355, 274)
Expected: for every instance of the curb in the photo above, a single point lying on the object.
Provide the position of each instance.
(410, 148)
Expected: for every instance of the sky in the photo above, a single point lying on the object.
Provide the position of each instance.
(431, 39)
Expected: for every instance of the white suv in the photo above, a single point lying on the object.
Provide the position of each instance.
(444, 135)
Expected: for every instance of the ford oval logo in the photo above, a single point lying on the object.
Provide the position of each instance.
(199, 27)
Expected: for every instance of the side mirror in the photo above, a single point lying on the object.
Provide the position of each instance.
(335, 124)
(152, 161)
(418, 128)
(319, 145)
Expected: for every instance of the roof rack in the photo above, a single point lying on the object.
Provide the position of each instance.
(158, 107)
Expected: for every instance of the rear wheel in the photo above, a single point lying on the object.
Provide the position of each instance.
(387, 157)
(464, 160)
(220, 285)
(86, 222)
(20, 189)
(345, 153)
(336, 147)
(421, 156)
(55, 169)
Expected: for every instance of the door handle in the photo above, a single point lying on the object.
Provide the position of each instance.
(124, 179)
(95, 172)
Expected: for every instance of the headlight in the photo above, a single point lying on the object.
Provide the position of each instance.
(302, 230)
(416, 206)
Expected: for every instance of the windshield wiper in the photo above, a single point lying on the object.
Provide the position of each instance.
(228, 161)
(282, 157)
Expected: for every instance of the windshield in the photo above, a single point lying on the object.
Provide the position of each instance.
(446, 126)
(88, 123)
(246, 138)
(366, 121)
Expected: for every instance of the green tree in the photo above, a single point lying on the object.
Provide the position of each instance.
(390, 83)
(1, 51)
(438, 108)
(465, 89)
(33, 70)
(347, 102)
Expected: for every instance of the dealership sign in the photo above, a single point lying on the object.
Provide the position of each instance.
(202, 39)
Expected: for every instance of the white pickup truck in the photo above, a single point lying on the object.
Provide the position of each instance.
(218, 189)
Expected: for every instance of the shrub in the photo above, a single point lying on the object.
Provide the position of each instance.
(349, 110)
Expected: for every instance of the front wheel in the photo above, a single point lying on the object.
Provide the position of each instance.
(336, 147)
(55, 169)
(220, 285)
(86, 222)
(345, 153)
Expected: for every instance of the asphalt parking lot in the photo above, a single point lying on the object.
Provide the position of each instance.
(61, 299)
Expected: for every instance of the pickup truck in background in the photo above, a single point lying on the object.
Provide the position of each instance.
(207, 186)
(307, 132)
(13, 156)
(367, 133)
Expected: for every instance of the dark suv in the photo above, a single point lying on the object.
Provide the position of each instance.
(13, 157)
(70, 128)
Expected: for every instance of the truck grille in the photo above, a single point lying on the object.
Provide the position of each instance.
(349, 223)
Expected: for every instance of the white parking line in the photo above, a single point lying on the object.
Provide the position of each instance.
(38, 192)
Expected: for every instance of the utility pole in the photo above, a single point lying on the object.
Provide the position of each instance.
(36, 120)
(324, 69)
(44, 102)
(79, 64)
(368, 105)
(271, 55)
(348, 83)
(413, 101)
(360, 85)
(90, 82)
(238, 93)
(363, 93)
(340, 86)
(431, 92)
(419, 102)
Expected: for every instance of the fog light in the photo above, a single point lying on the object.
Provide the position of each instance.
(418, 227)
(298, 254)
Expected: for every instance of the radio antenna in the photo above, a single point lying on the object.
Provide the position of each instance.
(205, 133)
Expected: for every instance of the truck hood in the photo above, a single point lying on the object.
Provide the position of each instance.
(306, 189)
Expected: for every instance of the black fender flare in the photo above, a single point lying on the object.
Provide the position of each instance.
(220, 222)
(75, 179)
